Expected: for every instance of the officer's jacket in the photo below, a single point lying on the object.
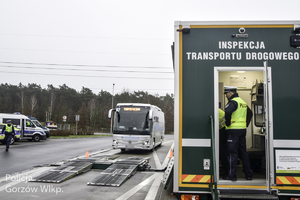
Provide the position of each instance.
(9, 130)
(231, 107)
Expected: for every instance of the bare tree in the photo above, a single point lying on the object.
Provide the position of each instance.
(83, 122)
(22, 98)
(33, 104)
(92, 108)
(51, 104)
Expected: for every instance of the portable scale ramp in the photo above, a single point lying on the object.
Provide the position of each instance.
(65, 171)
(120, 171)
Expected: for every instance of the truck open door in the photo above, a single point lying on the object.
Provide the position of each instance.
(268, 126)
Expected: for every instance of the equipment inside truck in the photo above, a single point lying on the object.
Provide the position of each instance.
(250, 87)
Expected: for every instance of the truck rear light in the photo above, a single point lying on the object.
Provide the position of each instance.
(189, 197)
(295, 198)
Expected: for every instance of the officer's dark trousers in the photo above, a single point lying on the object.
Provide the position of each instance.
(7, 140)
(223, 149)
(236, 144)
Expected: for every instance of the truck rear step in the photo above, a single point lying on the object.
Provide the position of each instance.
(247, 196)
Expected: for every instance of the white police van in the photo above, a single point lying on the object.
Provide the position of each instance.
(28, 129)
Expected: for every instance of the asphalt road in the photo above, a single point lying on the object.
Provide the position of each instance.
(22, 158)
(24, 155)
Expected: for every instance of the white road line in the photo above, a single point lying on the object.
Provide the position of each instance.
(154, 188)
(156, 183)
(156, 159)
(138, 187)
(94, 153)
(168, 141)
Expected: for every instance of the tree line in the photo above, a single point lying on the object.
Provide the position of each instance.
(52, 103)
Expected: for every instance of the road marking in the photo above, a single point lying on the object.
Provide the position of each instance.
(168, 141)
(134, 190)
(97, 152)
(156, 183)
(156, 159)
(154, 188)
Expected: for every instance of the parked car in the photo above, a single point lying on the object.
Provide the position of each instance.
(13, 139)
(51, 125)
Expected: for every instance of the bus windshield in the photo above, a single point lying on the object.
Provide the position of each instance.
(131, 120)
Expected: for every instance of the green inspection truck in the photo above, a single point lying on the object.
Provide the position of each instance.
(261, 59)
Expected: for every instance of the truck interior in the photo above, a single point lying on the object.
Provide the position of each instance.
(250, 86)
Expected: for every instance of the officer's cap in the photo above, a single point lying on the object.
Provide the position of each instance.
(8, 121)
(229, 89)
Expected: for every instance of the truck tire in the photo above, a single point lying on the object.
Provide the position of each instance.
(36, 138)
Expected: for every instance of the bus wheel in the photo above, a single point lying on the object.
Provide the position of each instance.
(161, 141)
(12, 141)
(123, 150)
(36, 138)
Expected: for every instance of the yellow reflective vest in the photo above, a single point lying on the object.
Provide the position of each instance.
(221, 119)
(8, 129)
(239, 116)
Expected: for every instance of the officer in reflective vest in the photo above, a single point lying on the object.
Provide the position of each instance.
(237, 116)
(9, 133)
(222, 142)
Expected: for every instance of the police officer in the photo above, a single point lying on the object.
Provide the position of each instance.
(222, 141)
(28, 123)
(237, 116)
(9, 133)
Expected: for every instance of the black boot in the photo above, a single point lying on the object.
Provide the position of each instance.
(227, 177)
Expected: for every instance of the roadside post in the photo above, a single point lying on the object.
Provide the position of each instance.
(76, 119)
(64, 120)
(112, 106)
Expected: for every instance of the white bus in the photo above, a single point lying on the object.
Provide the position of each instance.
(137, 126)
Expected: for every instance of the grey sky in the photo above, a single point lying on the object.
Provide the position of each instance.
(95, 43)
